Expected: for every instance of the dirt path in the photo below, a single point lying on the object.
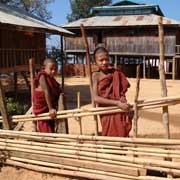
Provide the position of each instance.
(149, 123)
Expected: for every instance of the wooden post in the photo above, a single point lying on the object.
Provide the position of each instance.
(162, 76)
(135, 118)
(144, 67)
(26, 80)
(174, 68)
(3, 109)
(61, 125)
(149, 69)
(62, 64)
(15, 85)
(79, 106)
(115, 63)
(31, 70)
(163, 82)
(89, 70)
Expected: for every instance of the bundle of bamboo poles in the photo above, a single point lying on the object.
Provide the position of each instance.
(75, 113)
(93, 157)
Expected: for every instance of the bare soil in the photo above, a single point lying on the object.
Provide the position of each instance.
(149, 124)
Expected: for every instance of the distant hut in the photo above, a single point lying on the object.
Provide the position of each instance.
(23, 36)
(130, 32)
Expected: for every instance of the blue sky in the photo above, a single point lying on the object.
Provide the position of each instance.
(60, 9)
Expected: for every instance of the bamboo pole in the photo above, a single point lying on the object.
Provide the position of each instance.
(76, 164)
(89, 71)
(150, 141)
(78, 107)
(128, 165)
(60, 171)
(123, 151)
(61, 126)
(162, 76)
(32, 73)
(141, 103)
(135, 118)
(78, 154)
(3, 109)
(75, 115)
(20, 124)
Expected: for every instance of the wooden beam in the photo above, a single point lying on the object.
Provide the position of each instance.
(144, 67)
(3, 109)
(174, 68)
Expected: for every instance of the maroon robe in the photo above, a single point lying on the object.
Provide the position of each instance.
(114, 86)
(40, 104)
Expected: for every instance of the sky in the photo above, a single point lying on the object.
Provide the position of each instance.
(60, 9)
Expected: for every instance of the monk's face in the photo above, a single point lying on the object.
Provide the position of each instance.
(102, 61)
(51, 69)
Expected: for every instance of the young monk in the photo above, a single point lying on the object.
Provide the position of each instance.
(46, 95)
(109, 88)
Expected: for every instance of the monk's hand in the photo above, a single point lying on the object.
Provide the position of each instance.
(52, 113)
(124, 106)
(123, 99)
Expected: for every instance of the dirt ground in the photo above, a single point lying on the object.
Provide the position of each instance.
(149, 124)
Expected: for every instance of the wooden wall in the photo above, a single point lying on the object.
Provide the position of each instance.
(17, 47)
(126, 41)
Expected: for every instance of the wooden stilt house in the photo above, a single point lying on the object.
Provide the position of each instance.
(130, 32)
(23, 36)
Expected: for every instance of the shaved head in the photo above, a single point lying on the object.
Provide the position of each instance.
(48, 60)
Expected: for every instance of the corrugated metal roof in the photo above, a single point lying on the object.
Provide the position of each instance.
(15, 16)
(117, 21)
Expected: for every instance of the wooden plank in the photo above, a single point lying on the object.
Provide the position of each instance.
(3, 109)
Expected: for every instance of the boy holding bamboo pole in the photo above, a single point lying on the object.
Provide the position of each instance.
(46, 94)
(109, 88)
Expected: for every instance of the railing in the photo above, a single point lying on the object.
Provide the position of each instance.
(17, 57)
(177, 49)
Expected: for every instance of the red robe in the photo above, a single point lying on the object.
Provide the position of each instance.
(40, 104)
(114, 86)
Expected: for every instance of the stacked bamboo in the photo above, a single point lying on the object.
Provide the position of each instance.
(93, 157)
(76, 113)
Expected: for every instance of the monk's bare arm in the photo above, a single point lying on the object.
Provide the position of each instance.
(44, 87)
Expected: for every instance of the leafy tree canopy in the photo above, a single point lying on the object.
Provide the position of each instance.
(81, 8)
(36, 7)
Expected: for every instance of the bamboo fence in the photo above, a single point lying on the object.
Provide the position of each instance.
(94, 157)
(82, 112)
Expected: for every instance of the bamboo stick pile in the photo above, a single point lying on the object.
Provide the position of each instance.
(94, 157)
(77, 113)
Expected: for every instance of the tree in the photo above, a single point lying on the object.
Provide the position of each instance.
(36, 7)
(81, 8)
